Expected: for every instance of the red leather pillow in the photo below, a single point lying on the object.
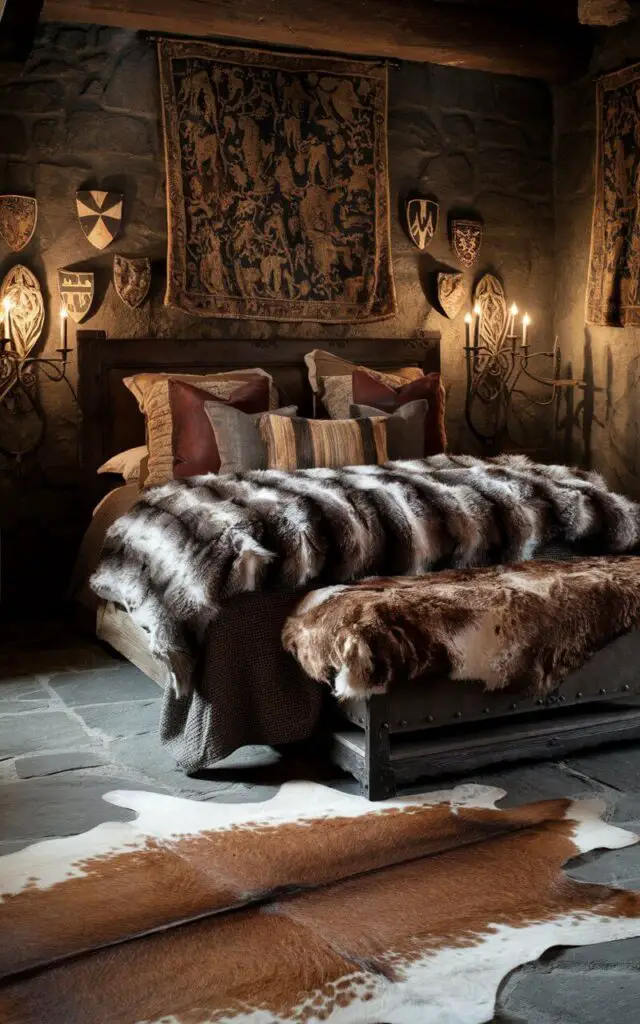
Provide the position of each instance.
(193, 440)
(368, 390)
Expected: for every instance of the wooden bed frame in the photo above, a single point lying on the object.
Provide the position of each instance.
(418, 731)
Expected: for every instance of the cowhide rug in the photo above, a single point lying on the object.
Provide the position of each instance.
(313, 906)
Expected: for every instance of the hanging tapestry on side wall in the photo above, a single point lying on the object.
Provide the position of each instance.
(277, 186)
(613, 288)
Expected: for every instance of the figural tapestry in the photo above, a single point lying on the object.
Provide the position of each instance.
(277, 188)
(613, 287)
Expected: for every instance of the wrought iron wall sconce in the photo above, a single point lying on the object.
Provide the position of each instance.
(499, 361)
(19, 381)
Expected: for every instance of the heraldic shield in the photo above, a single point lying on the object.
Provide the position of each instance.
(100, 215)
(422, 221)
(18, 216)
(132, 279)
(466, 240)
(76, 291)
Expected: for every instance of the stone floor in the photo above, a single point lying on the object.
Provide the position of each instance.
(75, 722)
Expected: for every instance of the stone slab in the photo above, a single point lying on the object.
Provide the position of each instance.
(146, 754)
(43, 730)
(52, 764)
(21, 689)
(16, 707)
(123, 683)
(523, 784)
(129, 718)
(618, 767)
(63, 805)
(580, 997)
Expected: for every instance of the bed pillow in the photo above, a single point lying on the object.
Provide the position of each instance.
(405, 428)
(151, 391)
(330, 380)
(240, 444)
(193, 441)
(127, 464)
(379, 395)
(296, 443)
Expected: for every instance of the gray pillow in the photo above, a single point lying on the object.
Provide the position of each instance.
(238, 436)
(405, 427)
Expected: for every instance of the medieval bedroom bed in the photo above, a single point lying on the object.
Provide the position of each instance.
(246, 688)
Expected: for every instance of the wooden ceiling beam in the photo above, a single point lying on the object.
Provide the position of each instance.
(458, 35)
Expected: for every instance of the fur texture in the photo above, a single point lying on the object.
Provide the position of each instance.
(523, 625)
(188, 545)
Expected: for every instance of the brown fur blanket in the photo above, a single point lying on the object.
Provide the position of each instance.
(525, 625)
(188, 545)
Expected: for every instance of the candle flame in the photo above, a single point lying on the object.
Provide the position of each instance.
(7, 303)
(477, 309)
(63, 312)
(526, 320)
(514, 310)
(467, 318)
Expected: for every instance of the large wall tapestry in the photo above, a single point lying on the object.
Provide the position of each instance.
(613, 289)
(276, 184)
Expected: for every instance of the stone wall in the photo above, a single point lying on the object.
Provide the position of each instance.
(85, 113)
(603, 428)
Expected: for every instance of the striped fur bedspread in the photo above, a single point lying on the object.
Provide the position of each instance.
(188, 545)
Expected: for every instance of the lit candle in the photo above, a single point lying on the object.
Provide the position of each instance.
(467, 329)
(7, 304)
(63, 330)
(513, 312)
(526, 320)
(477, 309)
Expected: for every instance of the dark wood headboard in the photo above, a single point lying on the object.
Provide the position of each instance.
(111, 421)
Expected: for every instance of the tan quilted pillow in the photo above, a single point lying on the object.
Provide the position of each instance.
(151, 391)
(330, 380)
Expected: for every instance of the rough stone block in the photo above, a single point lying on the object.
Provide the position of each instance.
(459, 131)
(111, 133)
(13, 136)
(134, 84)
(454, 174)
(32, 96)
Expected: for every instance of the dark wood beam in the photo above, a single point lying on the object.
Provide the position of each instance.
(456, 35)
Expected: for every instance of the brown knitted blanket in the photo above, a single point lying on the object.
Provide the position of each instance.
(525, 625)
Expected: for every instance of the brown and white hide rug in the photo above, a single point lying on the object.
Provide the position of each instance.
(525, 625)
(313, 906)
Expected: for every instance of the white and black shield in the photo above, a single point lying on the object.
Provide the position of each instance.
(422, 221)
(100, 215)
(132, 279)
(76, 292)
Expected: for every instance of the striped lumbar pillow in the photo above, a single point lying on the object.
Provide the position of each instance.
(296, 443)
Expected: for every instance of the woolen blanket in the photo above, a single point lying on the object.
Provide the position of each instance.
(525, 626)
(188, 545)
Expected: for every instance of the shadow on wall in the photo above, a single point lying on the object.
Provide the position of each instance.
(579, 406)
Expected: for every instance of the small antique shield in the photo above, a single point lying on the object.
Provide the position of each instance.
(466, 240)
(76, 291)
(422, 221)
(100, 215)
(132, 279)
(451, 292)
(489, 296)
(18, 216)
(21, 292)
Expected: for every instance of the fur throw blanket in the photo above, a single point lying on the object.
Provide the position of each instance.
(186, 546)
(525, 626)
